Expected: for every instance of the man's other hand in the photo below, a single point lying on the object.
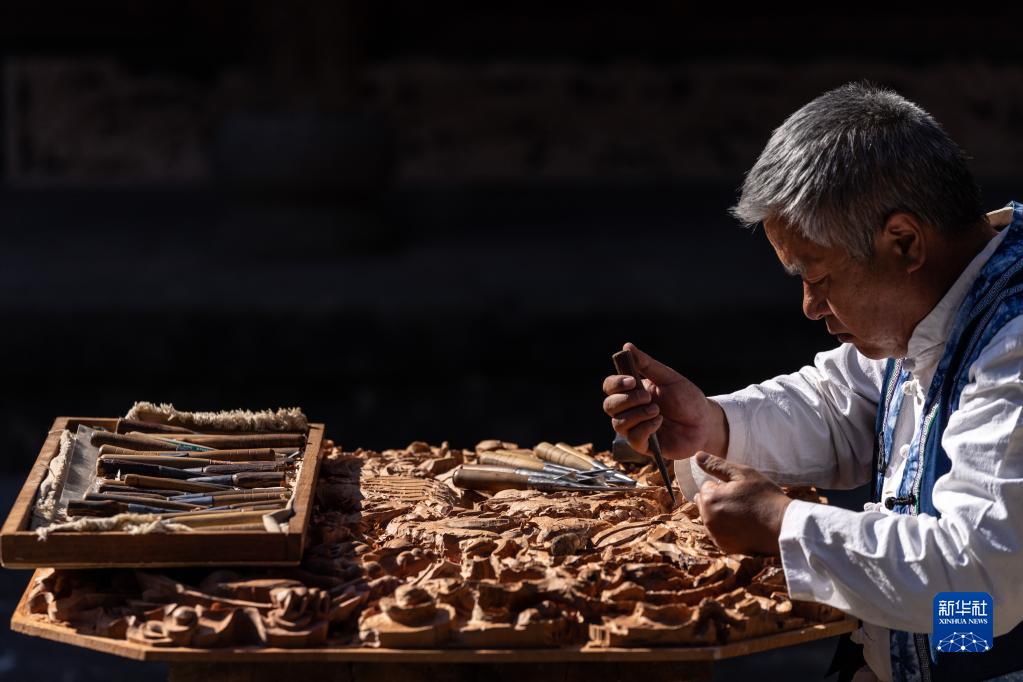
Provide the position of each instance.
(667, 404)
(743, 510)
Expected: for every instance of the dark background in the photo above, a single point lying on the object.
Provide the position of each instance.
(419, 221)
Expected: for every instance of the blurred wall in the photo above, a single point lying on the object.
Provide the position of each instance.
(421, 221)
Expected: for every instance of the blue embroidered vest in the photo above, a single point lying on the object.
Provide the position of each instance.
(995, 298)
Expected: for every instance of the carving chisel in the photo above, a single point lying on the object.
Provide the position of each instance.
(106, 455)
(143, 441)
(233, 442)
(626, 364)
(201, 500)
(157, 502)
(576, 460)
(254, 479)
(110, 465)
(247, 455)
(140, 481)
(109, 508)
(515, 461)
(115, 486)
(596, 464)
(246, 479)
(492, 478)
(124, 425)
(187, 497)
(226, 518)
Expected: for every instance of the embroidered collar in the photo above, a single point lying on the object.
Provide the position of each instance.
(931, 333)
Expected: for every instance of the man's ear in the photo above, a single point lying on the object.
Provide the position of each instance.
(904, 239)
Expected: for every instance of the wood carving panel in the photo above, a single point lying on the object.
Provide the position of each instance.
(401, 558)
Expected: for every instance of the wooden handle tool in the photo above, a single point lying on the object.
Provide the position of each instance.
(241, 467)
(160, 460)
(236, 442)
(188, 497)
(126, 425)
(256, 479)
(140, 481)
(494, 478)
(507, 459)
(487, 478)
(626, 364)
(154, 501)
(142, 441)
(534, 464)
(594, 463)
(115, 486)
(220, 518)
(221, 456)
(108, 508)
(554, 455)
(241, 455)
(239, 496)
(111, 466)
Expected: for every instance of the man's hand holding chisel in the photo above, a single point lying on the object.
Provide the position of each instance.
(667, 404)
(742, 510)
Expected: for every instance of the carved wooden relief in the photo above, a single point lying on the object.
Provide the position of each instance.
(399, 557)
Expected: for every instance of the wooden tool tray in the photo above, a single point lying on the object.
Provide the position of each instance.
(20, 547)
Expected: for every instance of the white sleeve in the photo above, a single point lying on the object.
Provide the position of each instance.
(886, 568)
(814, 426)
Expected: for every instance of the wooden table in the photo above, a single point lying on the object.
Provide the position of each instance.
(361, 664)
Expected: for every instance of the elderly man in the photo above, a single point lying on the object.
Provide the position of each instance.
(866, 199)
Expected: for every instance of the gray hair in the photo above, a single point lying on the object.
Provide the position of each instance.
(839, 166)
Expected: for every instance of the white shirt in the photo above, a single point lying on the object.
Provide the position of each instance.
(816, 426)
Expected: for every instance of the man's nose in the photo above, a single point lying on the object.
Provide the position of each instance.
(814, 307)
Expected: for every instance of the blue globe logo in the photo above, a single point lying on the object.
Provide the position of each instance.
(959, 642)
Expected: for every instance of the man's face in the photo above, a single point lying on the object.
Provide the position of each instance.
(862, 303)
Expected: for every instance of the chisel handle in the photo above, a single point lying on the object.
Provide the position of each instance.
(119, 450)
(140, 481)
(95, 508)
(242, 455)
(257, 479)
(126, 425)
(158, 503)
(220, 456)
(506, 459)
(555, 455)
(161, 460)
(110, 466)
(626, 364)
(240, 467)
(594, 463)
(201, 500)
(487, 478)
(248, 441)
(140, 441)
(217, 518)
(185, 497)
(115, 486)
(108, 508)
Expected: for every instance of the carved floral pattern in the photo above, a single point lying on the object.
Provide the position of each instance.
(399, 557)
